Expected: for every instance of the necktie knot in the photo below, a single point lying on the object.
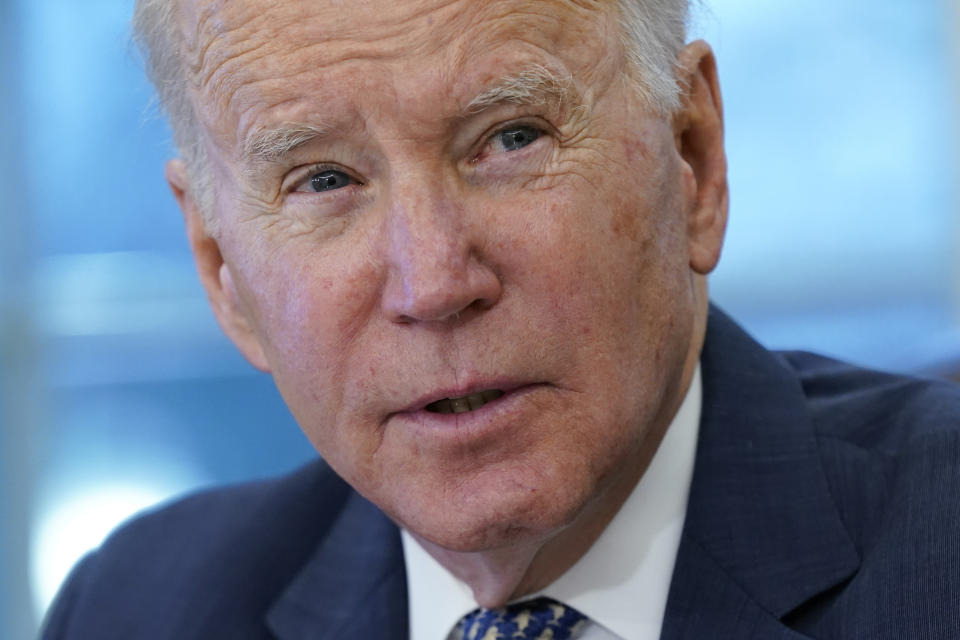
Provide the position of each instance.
(538, 619)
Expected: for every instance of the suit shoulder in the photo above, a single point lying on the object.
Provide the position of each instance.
(890, 449)
(216, 555)
(875, 410)
(246, 511)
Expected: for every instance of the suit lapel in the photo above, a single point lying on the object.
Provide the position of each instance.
(712, 605)
(354, 586)
(762, 533)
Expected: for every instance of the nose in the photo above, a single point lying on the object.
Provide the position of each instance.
(436, 265)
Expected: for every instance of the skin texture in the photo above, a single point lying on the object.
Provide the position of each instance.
(568, 272)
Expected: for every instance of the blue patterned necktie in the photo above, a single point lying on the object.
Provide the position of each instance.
(538, 619)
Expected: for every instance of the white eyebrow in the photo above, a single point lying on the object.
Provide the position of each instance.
(534, 84)
(266, 145)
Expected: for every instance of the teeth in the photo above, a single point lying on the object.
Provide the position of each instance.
(464, 404)
(475, 400)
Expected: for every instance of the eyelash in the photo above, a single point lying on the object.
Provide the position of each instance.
(308, 173)
(541, 129)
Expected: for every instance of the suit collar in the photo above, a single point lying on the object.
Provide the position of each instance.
(354, 585)
(760, 511)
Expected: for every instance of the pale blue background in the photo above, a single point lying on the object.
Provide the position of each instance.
(842, 132)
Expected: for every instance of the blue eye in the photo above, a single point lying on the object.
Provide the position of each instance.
(329, 179)
(518, 137)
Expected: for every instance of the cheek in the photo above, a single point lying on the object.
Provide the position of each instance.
(324, 366)
(313, 308)
(614, 267)
(593, 251)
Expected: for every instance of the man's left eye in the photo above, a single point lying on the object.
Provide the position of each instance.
(329, 179)
(517, 137)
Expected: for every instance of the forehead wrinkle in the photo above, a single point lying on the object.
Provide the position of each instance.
(237, 40)
(235, 84)
(540, 28)
(220, 43)
(233, 41)
(194, 42)
(550, 19)
(209, 71)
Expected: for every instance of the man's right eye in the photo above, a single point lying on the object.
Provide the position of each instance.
(328, 180)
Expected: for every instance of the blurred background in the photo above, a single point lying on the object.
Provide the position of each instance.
(117, 389)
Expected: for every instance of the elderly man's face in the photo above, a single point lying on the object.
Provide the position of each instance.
(462, 245)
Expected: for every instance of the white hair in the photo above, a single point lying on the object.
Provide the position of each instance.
(653, 33)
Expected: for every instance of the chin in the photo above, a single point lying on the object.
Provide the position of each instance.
(493, 517)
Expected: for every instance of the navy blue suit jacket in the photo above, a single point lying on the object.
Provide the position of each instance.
(825, 504)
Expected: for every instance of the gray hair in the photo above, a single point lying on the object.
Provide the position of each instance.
(653, 33)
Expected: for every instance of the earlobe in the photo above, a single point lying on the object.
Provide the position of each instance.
(214, 273)
(698, 134)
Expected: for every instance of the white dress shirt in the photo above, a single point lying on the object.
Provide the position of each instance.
(621, 583)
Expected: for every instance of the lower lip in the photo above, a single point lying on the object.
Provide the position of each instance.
(489, 419)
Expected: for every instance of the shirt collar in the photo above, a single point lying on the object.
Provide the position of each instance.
(623, 580)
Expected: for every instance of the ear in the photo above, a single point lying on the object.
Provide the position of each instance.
(228, 307)
(698, 135)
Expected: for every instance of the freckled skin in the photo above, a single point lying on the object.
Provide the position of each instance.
(567, 263)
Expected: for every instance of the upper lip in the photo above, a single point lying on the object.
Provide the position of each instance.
(458, 392)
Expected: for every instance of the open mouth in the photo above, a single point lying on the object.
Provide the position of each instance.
(464, 404)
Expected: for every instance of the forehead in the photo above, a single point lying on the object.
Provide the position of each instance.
(247, 56)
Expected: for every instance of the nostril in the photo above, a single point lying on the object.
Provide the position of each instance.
(455, 304)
